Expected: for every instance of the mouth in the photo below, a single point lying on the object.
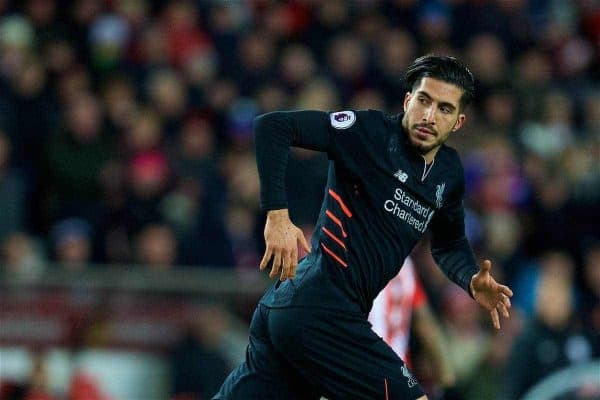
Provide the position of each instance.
(424, 133)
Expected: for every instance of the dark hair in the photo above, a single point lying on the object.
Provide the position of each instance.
(445, 68)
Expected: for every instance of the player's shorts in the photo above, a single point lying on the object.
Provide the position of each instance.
(305, 353)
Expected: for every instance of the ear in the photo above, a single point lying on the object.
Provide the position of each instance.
(407, 98)
(459, 122)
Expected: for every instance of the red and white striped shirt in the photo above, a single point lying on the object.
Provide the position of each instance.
(392, 309)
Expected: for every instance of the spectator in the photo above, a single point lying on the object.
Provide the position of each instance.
(297, 67)
(551, 340)
(144, 133)
(75, 158)
(168, 93)
(73, 243)
(22, 256)
(256, 53)
(467, 341)
(552, 134)
(29, 97)
(397, 49)
(156, 247)
(198, 363)
(120, 103)
(108, 37)
(148, 181)
(591, 295)
(13, 192)
(196, 207)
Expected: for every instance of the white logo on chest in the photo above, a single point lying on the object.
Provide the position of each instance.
(439, 192)
(401, 176)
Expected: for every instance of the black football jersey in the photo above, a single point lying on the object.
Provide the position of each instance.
(380, 199)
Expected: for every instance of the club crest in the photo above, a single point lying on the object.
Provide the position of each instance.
(439, 192)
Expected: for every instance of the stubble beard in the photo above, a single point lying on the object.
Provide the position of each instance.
(419, 146)
(424, 147)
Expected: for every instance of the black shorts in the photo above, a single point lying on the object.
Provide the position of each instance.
(305, 353)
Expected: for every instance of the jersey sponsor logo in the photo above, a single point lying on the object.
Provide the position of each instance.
(407, 374)
(439, 192)
(342, 119)
(409, 210)
(401, 176)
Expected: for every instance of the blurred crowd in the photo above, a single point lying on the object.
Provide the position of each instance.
(126, 138)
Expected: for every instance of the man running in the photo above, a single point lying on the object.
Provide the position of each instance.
(391, 178)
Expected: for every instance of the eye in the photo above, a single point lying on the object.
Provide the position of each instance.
(422, 100)
(446, 110)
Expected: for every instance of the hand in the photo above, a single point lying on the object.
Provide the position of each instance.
(282, 238)
(490, 294)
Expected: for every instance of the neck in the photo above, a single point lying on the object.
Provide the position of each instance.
(430, 155)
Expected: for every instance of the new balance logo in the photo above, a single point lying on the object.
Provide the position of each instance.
(401, 176)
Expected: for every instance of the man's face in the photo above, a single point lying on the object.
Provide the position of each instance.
(431, 114)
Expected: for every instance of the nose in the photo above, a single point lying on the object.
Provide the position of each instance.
(429, 115)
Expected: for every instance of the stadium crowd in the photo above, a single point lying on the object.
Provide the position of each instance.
(126, 138)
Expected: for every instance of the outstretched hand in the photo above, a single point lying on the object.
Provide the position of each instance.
(490, 294)
(282, 238)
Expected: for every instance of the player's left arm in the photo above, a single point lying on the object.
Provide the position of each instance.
(453, 254)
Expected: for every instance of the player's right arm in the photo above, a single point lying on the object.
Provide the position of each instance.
(274, 133)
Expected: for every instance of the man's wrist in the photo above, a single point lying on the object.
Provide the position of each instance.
(471, 289)
(278, 214)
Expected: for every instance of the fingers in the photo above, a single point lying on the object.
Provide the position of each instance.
(290, 264)
(503, 309)
(506, 301)
(286, 264)
(284, 253)
(276, 264)
(486, 266)
(266, 258)
(503, 306)
(495, 318)
(293, 263)
(506, 290)
(303, 242)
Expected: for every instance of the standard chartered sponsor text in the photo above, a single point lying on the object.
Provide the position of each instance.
(418, 222)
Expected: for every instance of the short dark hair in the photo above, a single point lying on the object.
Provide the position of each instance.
(445, 68)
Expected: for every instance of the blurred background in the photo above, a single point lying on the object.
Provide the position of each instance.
(130, 232)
